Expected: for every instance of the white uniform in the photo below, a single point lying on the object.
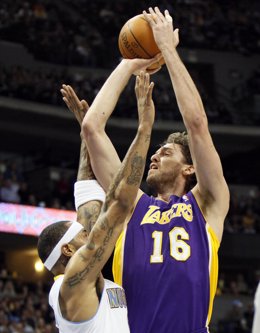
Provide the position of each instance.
(256, 323)
(111, 316)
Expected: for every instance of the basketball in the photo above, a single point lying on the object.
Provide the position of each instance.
(136, 41)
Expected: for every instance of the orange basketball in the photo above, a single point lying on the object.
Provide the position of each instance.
(136, 41)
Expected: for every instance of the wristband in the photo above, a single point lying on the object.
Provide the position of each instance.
(87, 190)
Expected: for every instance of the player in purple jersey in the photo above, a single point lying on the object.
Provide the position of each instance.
(166, 257)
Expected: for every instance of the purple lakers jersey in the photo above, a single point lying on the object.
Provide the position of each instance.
(166, 260)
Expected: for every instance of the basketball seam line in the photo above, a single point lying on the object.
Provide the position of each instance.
(138, 42)
(122, 50)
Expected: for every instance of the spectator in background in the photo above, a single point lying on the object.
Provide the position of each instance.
(63, 189)
(9, 290)
(242, 286)
(221, 289)
(3, 322)
(24, 193)
(248, 222)
(234, 320)
(2, 167)
(12, 172)
(23, 307)
(249, 314)
(9, 191)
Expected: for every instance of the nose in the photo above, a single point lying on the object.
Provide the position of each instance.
(155, 157)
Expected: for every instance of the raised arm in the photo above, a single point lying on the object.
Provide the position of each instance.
(85, 265)
(104, 159)
(88, 212)
(211, 190)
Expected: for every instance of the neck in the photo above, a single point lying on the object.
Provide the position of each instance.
(166, 191)
(58, 270)
(166, 195)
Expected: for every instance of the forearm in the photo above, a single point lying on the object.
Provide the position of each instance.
(88, 212)
(110, 223)
(101, 150)
(103, 154)
(187, 95)
(107, 98)
(127, 182)
(105, 161)
(84, 170)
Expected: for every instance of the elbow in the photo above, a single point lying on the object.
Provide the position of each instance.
(197, 123)
(89, 126)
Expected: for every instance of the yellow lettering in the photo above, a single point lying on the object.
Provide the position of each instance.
(180, 209)
(165, 218)
(187, 213)
(152, 215)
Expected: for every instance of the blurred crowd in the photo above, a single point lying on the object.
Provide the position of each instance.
(244, 213)
(238, 319)
(24, 306)
(239, 314)
(44, 87)
(82, 32)
(15, 187)
(247, 89)
(238, 283)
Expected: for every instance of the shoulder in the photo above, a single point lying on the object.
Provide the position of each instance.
(214, 212)
(141, 197)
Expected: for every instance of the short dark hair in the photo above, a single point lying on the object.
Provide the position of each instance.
(182, 139)
(49, 237)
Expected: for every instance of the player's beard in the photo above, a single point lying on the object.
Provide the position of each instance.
(159, 181)
(156, 182)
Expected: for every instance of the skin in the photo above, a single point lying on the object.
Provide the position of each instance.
(166, 171)
(87, 214)
(211, 191)
(88, 252)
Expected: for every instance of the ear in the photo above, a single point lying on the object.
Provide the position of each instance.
(188, 170)
(68, 250)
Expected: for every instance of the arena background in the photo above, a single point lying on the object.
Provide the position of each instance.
(46, 43)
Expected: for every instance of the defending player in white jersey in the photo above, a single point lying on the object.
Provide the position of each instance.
(82, 300)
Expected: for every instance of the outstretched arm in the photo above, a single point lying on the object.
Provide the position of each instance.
(211, 190)
(86, 264)
(88, 212)
(104, 159)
